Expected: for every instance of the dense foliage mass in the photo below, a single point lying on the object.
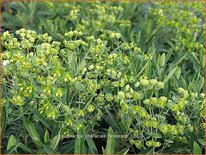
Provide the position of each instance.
(103, 77)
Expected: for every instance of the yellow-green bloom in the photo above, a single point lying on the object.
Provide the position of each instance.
(109, 97)
(144, 82)
(91, 108)
(160, 85)
(121, 95)
(152, 82)
(59, 92)
(18, 100)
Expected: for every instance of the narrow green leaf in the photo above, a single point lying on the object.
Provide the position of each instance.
(11, 142)
(178, 72)
(148, 69)
(184, 83)
(13, 149)
(44, 121)
(180, 58)
(80, 86)
(24, 147)
(160, 116)
(48, 150)
(170, 74)
(195, 62)
(68, 147)
(112, 122)
(125, 123)
(169, 55)
(46, 137)
(201, 83)
(123, 151)
(147, 151)
(110, 147)
(162, 60)
(55, 141)
(201, 141)
(92, 146)
(81, 66)
(143, 68)
(169, 141)
(79, 142)
(195, 36)
(152, 35)
(202, 61)
(4, 119)
(156, 135)
(32, 131)
(196, 149)
(55, 130)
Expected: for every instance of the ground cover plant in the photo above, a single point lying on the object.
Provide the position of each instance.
(112, 78)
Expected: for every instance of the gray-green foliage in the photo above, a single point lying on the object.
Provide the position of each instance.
(104, 68)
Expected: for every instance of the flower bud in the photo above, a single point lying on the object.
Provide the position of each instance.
(137, 108)
(137, 84)
(181, 90)
(153, 100)
(137, 95)
(138, 144)
(69, 122)
(128, 95)
(117, 35)
(127, 87)
(144, 82)
(81, 112)
(152, 82)
(121, 95)
(59, 92)
(146, 102)
(190, 127)
(160, 85)
(164, 128)
(163, 99)
(157, 144)
(147, 123)
(91, 108)
(90, 67)
(202, 95)
(115, 84)
(124, 107)
(150, 143)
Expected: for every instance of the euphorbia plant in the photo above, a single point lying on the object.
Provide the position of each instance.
(83, 83)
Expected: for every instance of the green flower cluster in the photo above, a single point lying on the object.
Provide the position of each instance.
(150, 117)
(135, 68)
(102, 16)
(184, 20)
(77, 81)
